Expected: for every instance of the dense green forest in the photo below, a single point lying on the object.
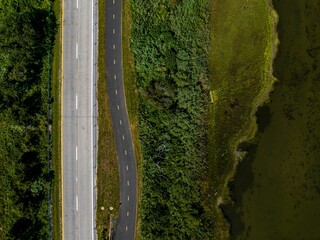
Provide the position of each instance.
(26, 30)
(169, 42)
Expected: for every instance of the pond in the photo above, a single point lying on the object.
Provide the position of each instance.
(277, 187)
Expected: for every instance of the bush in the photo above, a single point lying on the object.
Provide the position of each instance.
(169, 41)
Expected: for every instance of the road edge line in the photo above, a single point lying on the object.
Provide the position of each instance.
(61, 119)
(93, 89)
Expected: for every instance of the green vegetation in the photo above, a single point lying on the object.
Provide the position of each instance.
(108, 185)
(26, 38)
(56, 127)
(131, 93)
(169, 41)
(242, 48)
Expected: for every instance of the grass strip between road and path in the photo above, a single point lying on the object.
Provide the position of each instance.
(56, 125)
(132, 99)
(108, 183)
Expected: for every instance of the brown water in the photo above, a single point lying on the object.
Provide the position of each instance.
(277, 188)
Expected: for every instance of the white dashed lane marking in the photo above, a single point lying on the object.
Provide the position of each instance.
(76, 101)
(76, 50)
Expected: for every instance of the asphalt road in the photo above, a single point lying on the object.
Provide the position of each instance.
(125, 227)
(79, 119)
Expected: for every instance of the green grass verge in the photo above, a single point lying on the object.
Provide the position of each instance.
(242, 47)
(108, 185)
(131, 94)
(56, 136)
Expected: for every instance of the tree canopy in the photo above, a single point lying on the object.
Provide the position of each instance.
(26, 30)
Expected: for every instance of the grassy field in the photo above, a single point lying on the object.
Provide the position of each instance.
(108, 173)
(56, 126)
(131, 94)
(242, 47)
